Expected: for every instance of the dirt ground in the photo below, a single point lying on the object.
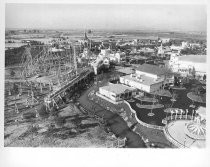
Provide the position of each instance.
(67, 127)
(70, 128)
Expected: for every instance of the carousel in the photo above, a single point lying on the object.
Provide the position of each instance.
(187, 131)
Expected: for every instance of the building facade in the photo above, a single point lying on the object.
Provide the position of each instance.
(143, 83)
(186, 64)
(117, 92)
(147, 78)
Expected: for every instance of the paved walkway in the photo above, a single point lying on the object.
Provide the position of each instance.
(117, 124)
(153, 135)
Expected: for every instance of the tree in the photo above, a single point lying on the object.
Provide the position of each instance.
(204, 77)
(176, 81)
(203, 97)
(197, 90)
(193, 72)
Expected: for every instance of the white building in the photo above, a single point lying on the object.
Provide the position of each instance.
(185, 44)
(165, 40)
(148, 78)
(164, 50)
(179, 48)
(120, 56)
(135, 42)
(105, 52)
(176, 48)
(116, 92)
(113, 56)
(146, 50)
(101, 60)
(144, 83)
(184, 64)
(194, 45)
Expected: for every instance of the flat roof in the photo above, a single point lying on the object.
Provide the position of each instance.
(145, 80)
(117, 88)
(151, 69)
(126, 70)
(146, 50)
(167, 48)
(193, 58)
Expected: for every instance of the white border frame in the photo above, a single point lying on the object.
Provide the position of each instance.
(54, 157)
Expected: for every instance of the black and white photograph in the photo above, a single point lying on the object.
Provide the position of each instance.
(108, 76)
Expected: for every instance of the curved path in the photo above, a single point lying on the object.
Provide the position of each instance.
(117, 125)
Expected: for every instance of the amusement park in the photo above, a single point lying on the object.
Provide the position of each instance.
(105, 87)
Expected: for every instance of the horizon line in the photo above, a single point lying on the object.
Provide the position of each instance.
(109, 29)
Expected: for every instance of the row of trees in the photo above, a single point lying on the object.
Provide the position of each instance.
(191, 51)
(31, 31)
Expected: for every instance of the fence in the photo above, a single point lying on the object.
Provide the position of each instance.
(118, 143)
(176, 117)
(143, 123)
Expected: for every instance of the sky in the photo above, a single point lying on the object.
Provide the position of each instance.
(107, 16)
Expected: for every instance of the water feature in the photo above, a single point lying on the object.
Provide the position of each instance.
(182, 102)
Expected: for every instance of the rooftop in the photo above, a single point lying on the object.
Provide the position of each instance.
(117, 88)
(193, 58)
(167, 49)
(145, 80)
(147, 50)
(126, 70)
(151, 69)
(56, 50)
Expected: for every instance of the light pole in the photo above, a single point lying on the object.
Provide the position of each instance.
(186, 113)
(151, 113)
(181, 114)
(192, 113)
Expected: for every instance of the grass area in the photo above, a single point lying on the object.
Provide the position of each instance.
(195, 97)
(155, 137)
(163, 92)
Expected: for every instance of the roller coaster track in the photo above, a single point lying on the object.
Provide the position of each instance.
(62, 89)
(45, 61)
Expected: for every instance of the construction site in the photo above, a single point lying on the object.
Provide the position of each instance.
(42, 86)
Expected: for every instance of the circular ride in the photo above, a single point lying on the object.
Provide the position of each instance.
(188, 131)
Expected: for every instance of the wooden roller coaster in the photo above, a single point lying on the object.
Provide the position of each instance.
(60, 64)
